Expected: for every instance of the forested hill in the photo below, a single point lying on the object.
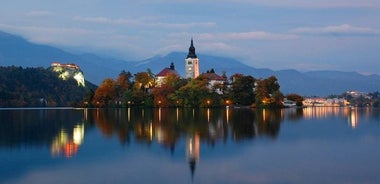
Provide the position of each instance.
(36, 87)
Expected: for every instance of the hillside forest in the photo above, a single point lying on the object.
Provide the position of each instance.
(38, 87)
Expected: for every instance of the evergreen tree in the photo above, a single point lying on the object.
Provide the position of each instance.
(243, 90)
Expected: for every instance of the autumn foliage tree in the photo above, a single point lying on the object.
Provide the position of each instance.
(144, 82)
(124, 81)
(164, 95)
(268, 92)
(140, 89)
(123, 87)
(194, 93)
(105, 93)
(161, 95)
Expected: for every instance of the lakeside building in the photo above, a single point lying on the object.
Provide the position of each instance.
(191, 63)
(69, 70)
(164, 73)
(325, 102)
(215, 82)
(71, 66)
(357, 94)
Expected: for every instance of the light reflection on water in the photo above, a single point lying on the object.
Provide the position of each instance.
(190, 145)
(67, 143)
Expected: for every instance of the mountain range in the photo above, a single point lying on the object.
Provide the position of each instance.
(17, 51)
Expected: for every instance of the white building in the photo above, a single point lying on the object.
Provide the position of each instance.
(192, 63)
(215, 82)
(325, 102)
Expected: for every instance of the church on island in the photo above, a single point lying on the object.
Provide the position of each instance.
(192, 63)
(191, 70)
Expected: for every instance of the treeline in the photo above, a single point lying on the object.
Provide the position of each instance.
(368, 100)
(140, 89)
(36, 87)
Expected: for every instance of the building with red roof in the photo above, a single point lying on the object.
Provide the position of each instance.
(161, 76)
(215, 81)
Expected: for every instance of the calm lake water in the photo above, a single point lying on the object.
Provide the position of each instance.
(309, 145)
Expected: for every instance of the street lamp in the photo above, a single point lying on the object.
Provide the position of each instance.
(228, 102)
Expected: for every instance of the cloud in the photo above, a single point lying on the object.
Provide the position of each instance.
(344, 29)
(289, 3)
(220, 46)
(44, 30)
(316, 3)
(229, 43)
(38, 13)
(286, 3)
(254, 35)
(86, 39)
(143, 23)
(259, 35)
(104, 20)
(50, 34)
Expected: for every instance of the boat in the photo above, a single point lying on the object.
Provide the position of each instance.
(289, 103)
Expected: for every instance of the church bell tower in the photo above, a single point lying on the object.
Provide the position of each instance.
(192, 63)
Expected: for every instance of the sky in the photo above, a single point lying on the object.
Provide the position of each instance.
(305, 35)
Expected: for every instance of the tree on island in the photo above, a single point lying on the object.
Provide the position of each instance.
(268, 93)
(194, 93)
(165, 94)
(243, 89)
(140, 90)
(105, 94)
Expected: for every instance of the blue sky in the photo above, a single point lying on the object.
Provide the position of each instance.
(277, 34)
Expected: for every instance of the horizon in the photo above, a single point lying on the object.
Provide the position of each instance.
(278, 35)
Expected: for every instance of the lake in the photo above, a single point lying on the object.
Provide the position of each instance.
(164, 145)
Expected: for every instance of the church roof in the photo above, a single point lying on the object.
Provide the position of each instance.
(213, 76)
(166, 71)
(191, 53)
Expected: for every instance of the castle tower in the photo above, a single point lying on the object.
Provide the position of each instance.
(192, 63)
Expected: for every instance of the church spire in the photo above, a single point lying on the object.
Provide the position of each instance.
(191, 53)
(192, 62)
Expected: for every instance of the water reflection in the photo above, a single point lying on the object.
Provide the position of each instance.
(166, 126)
(66, 143)
(352, 114)
(184, 132)
(64, 130)
(353, 119)
(192, 151)
(60, 130)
